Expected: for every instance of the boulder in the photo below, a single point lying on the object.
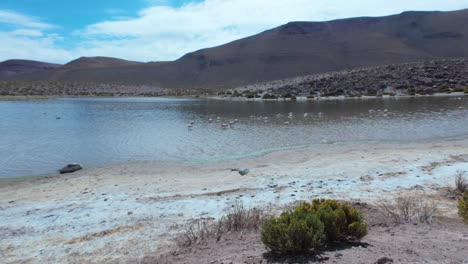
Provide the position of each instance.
(384, 260)
(244, 172)
(71, 168)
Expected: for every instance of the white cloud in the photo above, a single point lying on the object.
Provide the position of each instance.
(27, 32)
(161, 32)
(166, 33)
(41, 48)
(19, 20)
(28, 38)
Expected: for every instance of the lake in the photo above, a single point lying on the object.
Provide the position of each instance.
(37, 137)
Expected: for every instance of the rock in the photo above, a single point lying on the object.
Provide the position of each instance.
(366, 178)
(71, 168)
(384, 260)
(417, 187)
(244, 172)
(338, 255)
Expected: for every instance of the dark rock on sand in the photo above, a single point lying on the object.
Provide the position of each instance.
(244, 172)
(384, 261)
(71, 168)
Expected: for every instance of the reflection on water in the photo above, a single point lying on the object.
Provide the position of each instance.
(39, 136)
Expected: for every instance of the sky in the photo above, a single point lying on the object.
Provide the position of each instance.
(159, 30)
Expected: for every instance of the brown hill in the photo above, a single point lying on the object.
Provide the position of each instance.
(10, 68)
(98, 62)
(294, 49)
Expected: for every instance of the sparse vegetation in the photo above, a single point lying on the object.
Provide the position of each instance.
(311, 225)
(421, 91)
(465, 90)
(371, 92)
(293, 232)
(269, 96)
(249, 94)
(461, 183)
(463, 206)
(407, 209)
(237, 218)
(443, 89)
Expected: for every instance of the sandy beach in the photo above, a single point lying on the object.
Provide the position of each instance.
(123, 213)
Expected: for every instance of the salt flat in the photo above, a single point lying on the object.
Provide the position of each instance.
(125, 212)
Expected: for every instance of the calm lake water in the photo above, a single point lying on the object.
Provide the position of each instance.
(39, 136)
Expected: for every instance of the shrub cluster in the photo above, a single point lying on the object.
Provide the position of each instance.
(463, 206)
(312, 225)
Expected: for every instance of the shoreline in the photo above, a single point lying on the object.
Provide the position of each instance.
(128, 211)
(218, 97)
(233, 157)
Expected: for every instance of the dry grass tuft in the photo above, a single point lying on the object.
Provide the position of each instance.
(407, 209)
(461, 183)
(237, 218)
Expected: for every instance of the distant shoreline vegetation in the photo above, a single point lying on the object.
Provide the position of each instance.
(409, 79)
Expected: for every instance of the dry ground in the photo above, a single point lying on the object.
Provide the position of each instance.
(444, 241)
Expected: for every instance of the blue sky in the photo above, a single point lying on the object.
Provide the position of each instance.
(153, 30)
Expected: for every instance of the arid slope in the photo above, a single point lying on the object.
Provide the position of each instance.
(294, 49)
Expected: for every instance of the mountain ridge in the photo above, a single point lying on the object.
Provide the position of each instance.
(293, 49)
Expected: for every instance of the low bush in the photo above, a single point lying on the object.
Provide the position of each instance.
(293, 232)
(463, 206)
(342, 222)
(420, 91)
(311, 225)
(443, 89)
(371, 92)
(269, 96)
(465, 90)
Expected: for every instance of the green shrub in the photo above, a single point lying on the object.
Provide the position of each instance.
(310, 225)
(443, 89)
(293, 232)
(371, 92)
(420, 91)
(269, 96)
(342, 222)
(463, 206)
(411, 91)
(465, 90)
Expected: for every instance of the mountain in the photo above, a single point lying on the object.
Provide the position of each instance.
(10, 68)
(294, 49)
(98, 62)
